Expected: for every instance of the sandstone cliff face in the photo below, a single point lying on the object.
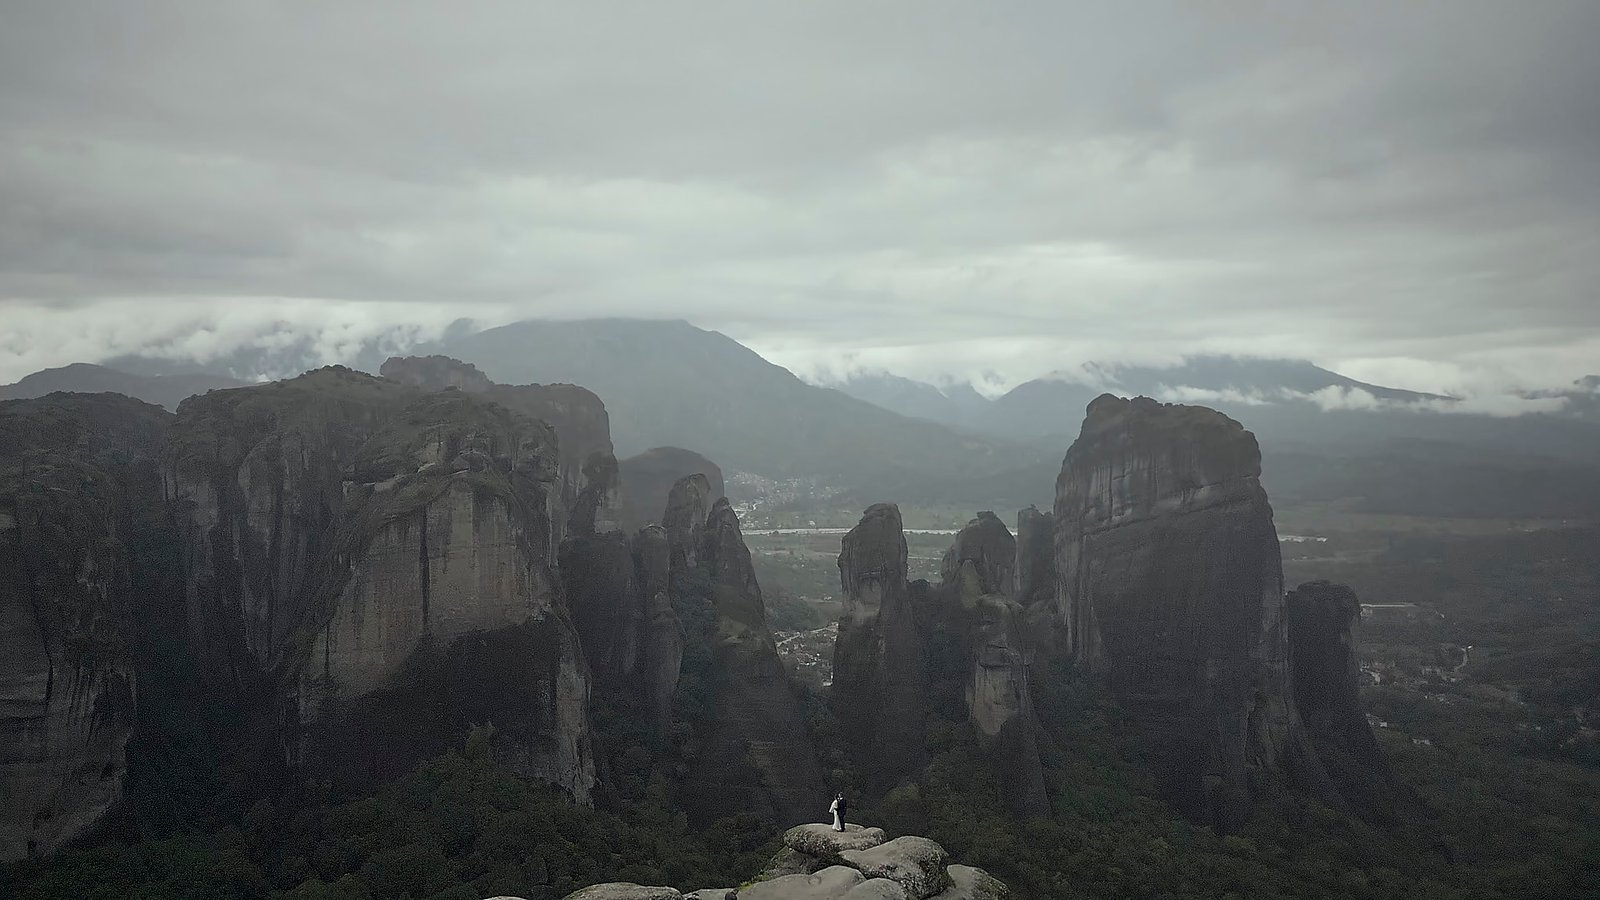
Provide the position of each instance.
(1170, 586)
(1323, 620)
(1035, 567)
(759, 722)
(992, 630)
(358, 544)
(983, 558)
(663, 640)
(647, 480)
(590, 488)
(878, 669)
(74, 470)
(688, 503)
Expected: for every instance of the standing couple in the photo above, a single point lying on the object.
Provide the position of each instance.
(839, 808)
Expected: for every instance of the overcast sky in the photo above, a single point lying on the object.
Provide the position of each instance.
(1407, 192)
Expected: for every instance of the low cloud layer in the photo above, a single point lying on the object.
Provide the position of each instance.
(1406, 193)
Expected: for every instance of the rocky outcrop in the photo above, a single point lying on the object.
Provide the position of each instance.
(688, 504)
(363, 549)
(999, 701)
(608, 608)
(435, 373)
(79, 493)
(1170, 587)
(759, 724)
(590, 488)
(647, 479)
(857, 864)
(1035, 567)
(1323, 619)
(663, 638)
(983, 558)
(991, 629)
(879, 683)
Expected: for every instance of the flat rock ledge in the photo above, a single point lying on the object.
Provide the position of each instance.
(822, 842)
(818, 863)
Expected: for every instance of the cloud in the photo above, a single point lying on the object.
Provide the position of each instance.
(943, 190)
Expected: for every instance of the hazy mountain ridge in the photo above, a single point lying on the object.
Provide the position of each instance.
(88, 378)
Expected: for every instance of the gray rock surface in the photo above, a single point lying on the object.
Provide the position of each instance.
(757, 756)
(879, 682)
(915, 863)
(337, 520)
(983, 558)
(821, 841)
(832, 883)
(877, 889)
(1035, 567)
(789, 861)
(971, 883)
(621, 890)
(999, 700)
(1170, 586)
(712, 894)
(78, 478)
(1323, 621)
(687, 505)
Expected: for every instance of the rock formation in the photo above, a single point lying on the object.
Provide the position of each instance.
(78, 478)
(588, 473)
(991, 630)
(983, 558)
(1170, 586)
(647, 479)
(1323, 619)
(879, 682)
(358, 549)
(856, 864)
(1035, 566)
(663, 638)
(688, 503)
(759, 724)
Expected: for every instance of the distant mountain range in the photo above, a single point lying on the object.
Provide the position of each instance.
(1324, 436)
(87, 378)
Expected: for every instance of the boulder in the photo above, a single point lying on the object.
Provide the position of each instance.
(788, 861)
(915, 863)
(621, 890)
(832, 883)
(879, 681)
(1171, 588)
(877, 889)
(712, 894)
(970, 883)
(822, 842)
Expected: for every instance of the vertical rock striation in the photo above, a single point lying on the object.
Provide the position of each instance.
(365, 559)
(879, 682)
(1170, 586)
(79, 492)
(983, 558)
(688, 503)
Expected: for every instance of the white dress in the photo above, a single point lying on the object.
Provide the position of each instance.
(837, 824)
